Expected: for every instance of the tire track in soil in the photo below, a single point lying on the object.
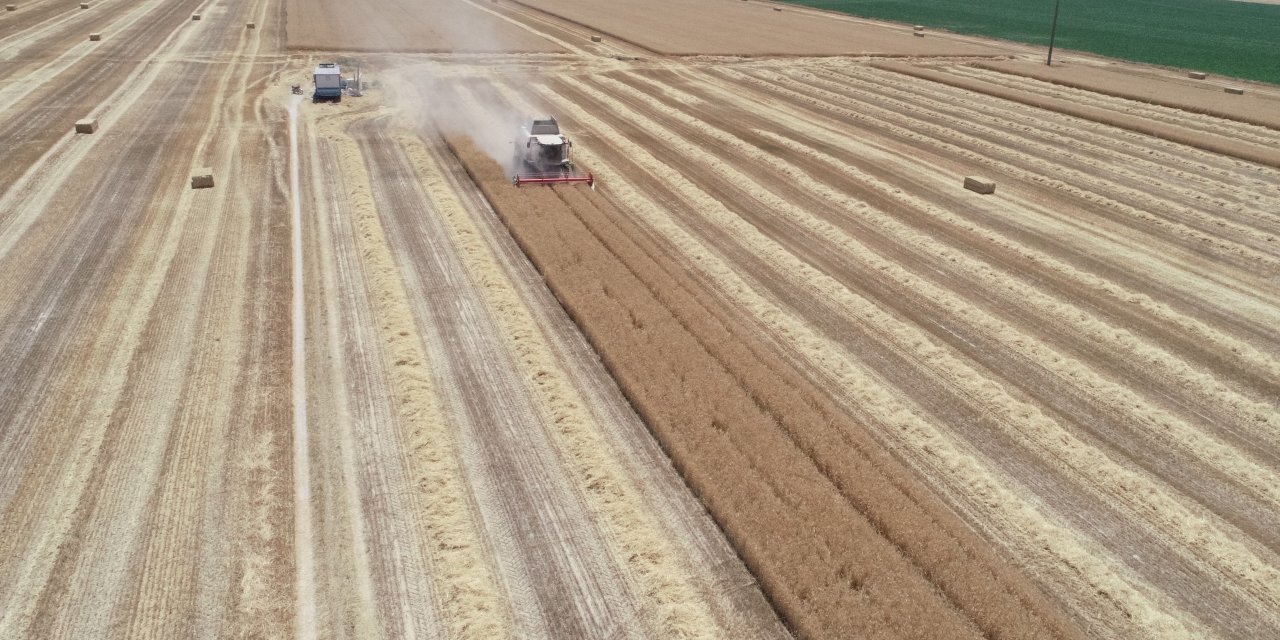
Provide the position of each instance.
(576, 592)
(167, 332)
(117, 197)
(461, 577)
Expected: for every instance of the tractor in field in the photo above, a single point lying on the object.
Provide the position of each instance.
(542, 155)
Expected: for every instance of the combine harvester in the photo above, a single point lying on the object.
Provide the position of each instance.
(542, 156)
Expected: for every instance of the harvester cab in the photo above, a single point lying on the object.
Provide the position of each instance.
(542, 155)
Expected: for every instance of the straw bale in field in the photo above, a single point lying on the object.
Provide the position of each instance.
(979, 185)
(202, 178)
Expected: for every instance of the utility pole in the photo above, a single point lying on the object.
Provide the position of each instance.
(1053, 32)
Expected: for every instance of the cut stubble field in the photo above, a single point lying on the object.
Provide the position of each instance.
(777, 374)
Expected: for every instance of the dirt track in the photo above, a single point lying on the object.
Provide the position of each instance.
(1082, 366)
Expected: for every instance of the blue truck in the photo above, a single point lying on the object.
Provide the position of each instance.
(329, 83)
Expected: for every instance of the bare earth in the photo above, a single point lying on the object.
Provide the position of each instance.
(355, 408)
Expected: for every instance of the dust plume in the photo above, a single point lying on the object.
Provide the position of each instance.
(438, 96)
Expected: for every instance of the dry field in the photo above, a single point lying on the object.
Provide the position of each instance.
(777, 374)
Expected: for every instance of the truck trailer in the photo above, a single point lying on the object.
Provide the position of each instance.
(328, 78)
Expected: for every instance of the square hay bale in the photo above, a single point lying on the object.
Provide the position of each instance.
(202, 178)
(94, 37)
(87, 125)
(918, 34)
(250, 25)
(777, 8)
(1235, 91)
(918, 27)
(84, 5)
(195, 16)
(11, 7)
(979, 184)
(595, 38)
(1197, 75)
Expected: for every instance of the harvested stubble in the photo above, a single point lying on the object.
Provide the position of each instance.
(845, 541)
(1208, 142)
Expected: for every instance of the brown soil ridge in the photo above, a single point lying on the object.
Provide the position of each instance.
(1207, 99)
(1207, 142)
(844, 539)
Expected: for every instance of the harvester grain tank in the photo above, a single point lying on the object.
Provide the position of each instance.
(542, 155)
(328, 79)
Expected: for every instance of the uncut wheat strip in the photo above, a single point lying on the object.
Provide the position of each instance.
(467, 583)
(1205, 285)
(1230, 459)
(1051, 544)
(971, 125)
(1018, 163)
(1166, 173)
(861, 468)
(1216, 542)
(1202, 121)
(613, 497)
(606, 132)
(903, 576)
(798, 568)
(722, 579)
